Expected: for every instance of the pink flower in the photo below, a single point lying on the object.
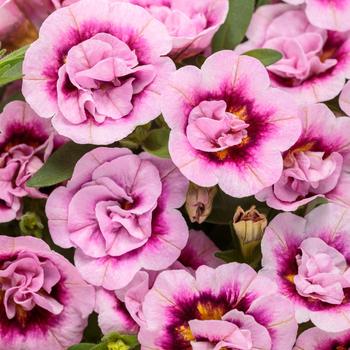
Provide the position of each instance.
(118, 210)
(344, 99)
(228, 126)
(26, 141)
(227, 307)
(97, 70)
(121, 310)
(316, 339)
(315, 61)
(328, 14)
(15, 29)
(309, 259)
(191, 24)
(317, 165)
(44, 303)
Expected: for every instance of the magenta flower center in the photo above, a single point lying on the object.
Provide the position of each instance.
(211, 128)
(117, 209)
(308, 172)
(322, 272)
(104, 74)
(27, 282)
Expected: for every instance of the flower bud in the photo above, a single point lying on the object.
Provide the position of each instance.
(249, 226)
(117, 345)
(30, 225)
(199, 202)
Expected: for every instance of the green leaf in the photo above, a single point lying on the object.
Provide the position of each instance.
(156, 143)
(265, 56)
(128, 339)
(315, 203)
(228, 255)
(11, 66)
(232, 32)
(263, 2)
(134, 140)
(59, 167)
(82, 346)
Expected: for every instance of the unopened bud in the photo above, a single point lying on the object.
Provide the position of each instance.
(30, 225)
(199, 202)
(118, 345)
(249, 226)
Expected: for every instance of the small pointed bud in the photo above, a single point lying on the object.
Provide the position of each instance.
(30, 225)
(249, 226)
(199, 202)
(118, 345)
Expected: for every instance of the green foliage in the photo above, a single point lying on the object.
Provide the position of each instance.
(232, 32)
(156, 143)
(11, 65)
(112, 341)
(265, 56)
(262, 2)
(59, 167)
(82, 346)
(135, 140)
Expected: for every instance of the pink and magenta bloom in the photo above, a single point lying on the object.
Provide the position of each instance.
(191, 24)
(317, 165)
(119, 212)
(315, 61)
(316, 339)
(44, 302)
(328, 14)
(97, 70)
(229, 127)
(309, 259)
(26, 142)
(344, 99)
(121, 310)
(228, 307)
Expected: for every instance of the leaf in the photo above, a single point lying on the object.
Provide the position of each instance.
(127, 339)
(315, 203)
(10, 73)
(156, 143)
(11, 66)
(263, 2)
(134, 140)
(82, 346)
(59, 167)
(265, 56)
(232, 32)
(228, 255)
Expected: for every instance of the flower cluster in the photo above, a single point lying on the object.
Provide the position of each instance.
(184, 168)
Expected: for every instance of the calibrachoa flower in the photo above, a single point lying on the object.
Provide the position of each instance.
(228, 126)
(309, 258)
(329, 14)
(44, 303)
(316, 339)
(118, 210)
(227, 307)
(317, 165)
(26, 141)
(315, 61)
(191, 24)
(344, 99)
(97, 70)
(121, 310)
(15, 29)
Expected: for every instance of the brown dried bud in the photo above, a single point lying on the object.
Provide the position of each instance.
(199, 202)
